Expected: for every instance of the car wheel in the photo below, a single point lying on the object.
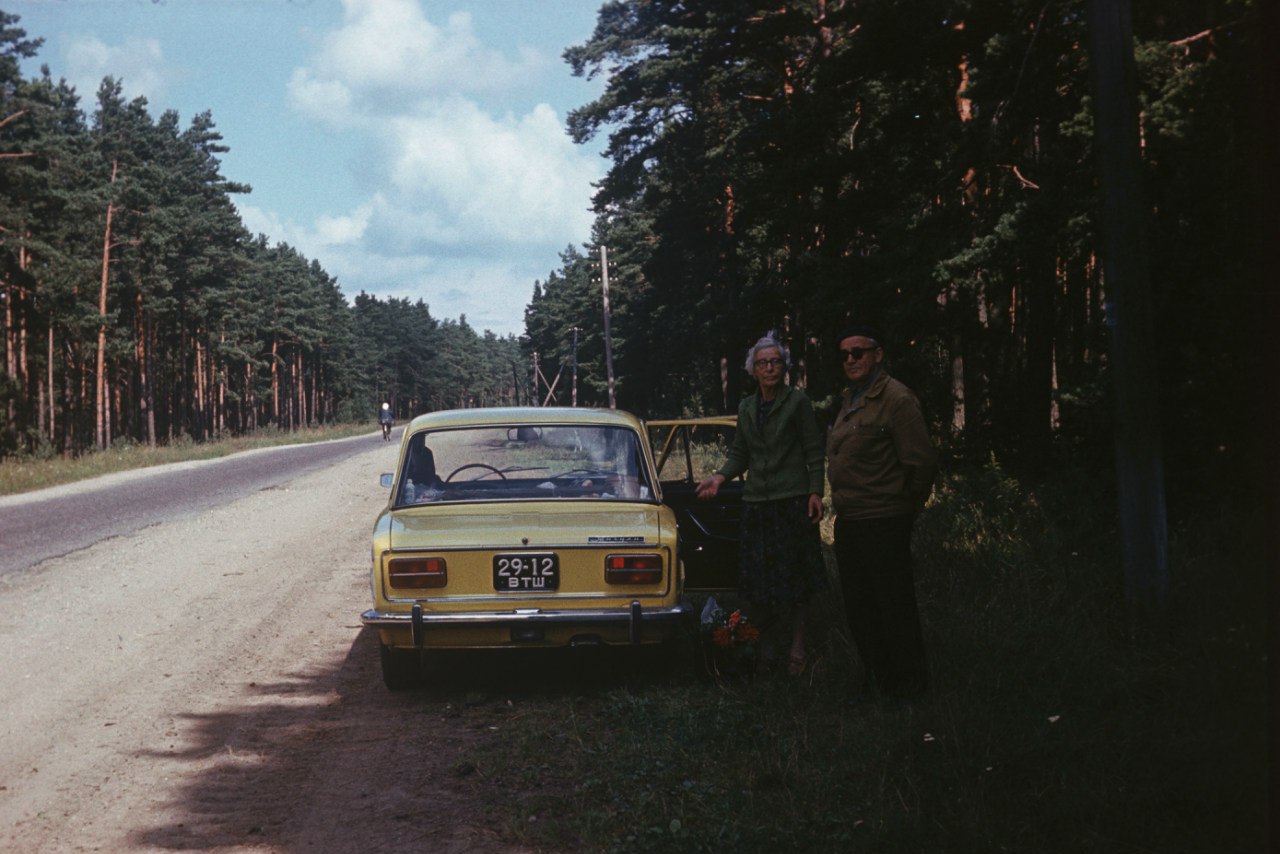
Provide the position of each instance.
(401, 668)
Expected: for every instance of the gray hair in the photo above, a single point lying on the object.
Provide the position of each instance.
(768, 340)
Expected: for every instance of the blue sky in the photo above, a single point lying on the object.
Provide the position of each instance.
(415, 148)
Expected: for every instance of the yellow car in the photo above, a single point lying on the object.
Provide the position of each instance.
(523, 527)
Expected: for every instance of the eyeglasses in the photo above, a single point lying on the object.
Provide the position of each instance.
(857, 353)
(770, 363)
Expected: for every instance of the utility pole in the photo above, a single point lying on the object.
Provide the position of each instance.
(537, 372)
(575, 330)
(608, 337)
(1126, 272)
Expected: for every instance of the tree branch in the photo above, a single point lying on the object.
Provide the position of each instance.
(1202, 35)
(1027, 184)
(11, 117)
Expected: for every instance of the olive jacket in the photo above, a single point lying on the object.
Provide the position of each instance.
(880, 459)
(785, 459)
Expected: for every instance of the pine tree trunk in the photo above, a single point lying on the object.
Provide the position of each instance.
(10, 366)
(221, 378)
(221, 401)
(149, 390)
(275, 380)
(68, 401)
(198, 382)
(52, 427)
(247, 403)
(101, 400)
(105, 412)
(43, 391)
(957, 386)
(1038, 373)
(302, 391)
(23, 377)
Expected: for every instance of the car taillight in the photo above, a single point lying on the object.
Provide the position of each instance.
(633, 569)
(416, 573)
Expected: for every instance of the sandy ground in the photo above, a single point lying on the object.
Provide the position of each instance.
(205, 684)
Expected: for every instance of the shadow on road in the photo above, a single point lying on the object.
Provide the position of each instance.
(332, 761)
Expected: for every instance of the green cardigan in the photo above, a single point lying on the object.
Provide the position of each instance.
(786, 460)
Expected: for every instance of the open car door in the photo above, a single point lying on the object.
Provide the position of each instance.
(686, 451)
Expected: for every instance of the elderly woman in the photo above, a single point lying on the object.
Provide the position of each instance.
(778, 443)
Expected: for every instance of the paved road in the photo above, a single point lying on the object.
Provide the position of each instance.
(57, 521)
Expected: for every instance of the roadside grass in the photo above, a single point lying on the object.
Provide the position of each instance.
(25, 474)
(1049, 726)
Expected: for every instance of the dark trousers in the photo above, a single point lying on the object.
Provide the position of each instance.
(874, 557)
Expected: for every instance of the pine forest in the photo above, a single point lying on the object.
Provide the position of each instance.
(929, 168)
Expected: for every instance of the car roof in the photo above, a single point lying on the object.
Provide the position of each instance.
(510, 416)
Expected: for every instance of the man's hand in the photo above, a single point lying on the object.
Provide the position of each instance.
(815, 508)
(708, 487)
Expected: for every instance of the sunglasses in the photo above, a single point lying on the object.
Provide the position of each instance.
(857, 353)
(770, 363)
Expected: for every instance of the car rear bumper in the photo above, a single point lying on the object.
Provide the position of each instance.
(634, 624)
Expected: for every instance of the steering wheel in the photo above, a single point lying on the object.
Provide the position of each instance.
(496, 471)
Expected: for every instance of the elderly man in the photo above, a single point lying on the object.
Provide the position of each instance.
(881, 464)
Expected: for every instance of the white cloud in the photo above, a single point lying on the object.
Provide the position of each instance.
(328, 232)
(492, 292)
(510, 180)
(469, 195)
(388, 55)
(341, 230)
(137, 63)
(491, 295)
(328, 100)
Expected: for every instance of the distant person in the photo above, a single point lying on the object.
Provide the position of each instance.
(386, 419)
(881, 464)
(778, 443)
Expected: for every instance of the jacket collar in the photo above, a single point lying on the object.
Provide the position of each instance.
(784, 391)
(875, 389)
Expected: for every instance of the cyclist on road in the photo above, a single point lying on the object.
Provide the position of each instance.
(385, 418)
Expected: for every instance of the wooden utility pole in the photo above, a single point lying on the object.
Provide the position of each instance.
(1127, 279)
(574, 397)
(608, 336)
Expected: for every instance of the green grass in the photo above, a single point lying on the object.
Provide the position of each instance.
(1049, 728)
(27, 474)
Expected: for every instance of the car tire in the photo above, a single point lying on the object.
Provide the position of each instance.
(401, 668)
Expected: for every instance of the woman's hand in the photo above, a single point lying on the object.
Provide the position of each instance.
(815, 508)
(709, 486)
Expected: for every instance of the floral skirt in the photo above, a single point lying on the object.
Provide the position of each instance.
(781, 562)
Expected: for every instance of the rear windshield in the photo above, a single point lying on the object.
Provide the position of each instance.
(524, 463)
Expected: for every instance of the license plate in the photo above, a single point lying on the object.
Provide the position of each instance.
(526, 572)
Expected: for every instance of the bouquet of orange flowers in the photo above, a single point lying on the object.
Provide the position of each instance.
(730, 630)
(731, 636)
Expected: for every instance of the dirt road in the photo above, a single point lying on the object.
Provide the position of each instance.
(204, 684)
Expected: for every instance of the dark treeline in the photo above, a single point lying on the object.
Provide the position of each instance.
(927, 167)
(137, 307)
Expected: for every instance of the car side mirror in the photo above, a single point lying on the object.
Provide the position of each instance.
(386, 479)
